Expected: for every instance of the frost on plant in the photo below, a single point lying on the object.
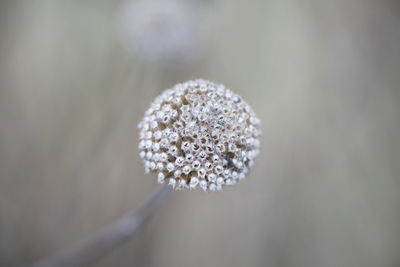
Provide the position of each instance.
(199, 134)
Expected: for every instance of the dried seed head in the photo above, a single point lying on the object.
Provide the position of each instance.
(209, 141)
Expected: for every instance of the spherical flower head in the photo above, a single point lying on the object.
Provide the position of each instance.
(199, 135)
(160, 31)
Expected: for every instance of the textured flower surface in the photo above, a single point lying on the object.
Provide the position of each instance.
(199, 134)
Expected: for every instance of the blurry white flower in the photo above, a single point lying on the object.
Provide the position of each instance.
(199, 134)
(161, 30)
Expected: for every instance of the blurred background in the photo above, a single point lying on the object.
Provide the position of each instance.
(323, 76)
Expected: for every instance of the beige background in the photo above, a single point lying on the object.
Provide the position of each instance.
(323, 76)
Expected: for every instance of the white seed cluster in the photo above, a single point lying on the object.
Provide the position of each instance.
(199, 134)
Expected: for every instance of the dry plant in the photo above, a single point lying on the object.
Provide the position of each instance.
(198, 134)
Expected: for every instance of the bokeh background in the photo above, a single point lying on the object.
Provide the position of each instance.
(323, 76)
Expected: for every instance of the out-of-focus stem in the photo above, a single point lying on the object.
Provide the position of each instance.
(113, 235)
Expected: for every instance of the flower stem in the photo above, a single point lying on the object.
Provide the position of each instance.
(125, 228)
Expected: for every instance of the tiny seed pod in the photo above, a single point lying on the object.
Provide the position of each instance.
(177, 173)
(194, 181)
(179, 161)
(186, 169)
(202, 172)
(189, 158)
(202, 155)
(161, 177)
(160, 166)
(196, 164)
(170, 167)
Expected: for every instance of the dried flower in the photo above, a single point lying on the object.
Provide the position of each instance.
(210, 141)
